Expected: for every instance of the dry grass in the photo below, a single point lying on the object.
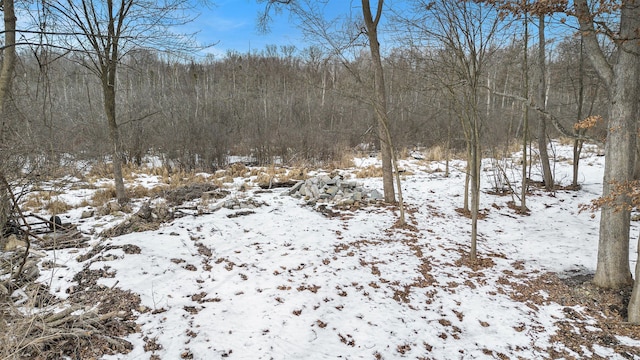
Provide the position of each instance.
(82, 186)
(33, 202)
(369, 172)
(403, 153)
(345, 161)
(237, 170)
(436, 153)
(46, 200)
(138, 192)
(103, 196)
(280, 174)
(57, 207)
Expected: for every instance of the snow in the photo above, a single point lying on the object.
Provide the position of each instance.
(287, 282)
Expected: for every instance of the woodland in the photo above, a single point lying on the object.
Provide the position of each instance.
(105, 84)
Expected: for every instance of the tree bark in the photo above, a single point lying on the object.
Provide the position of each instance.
(108, 76)
(622, 81)
(634, 302)
(6, 81)
(547, 176)
(109, 97)
(380, 99)
(9, 58)
(577, 143)
(525, 116)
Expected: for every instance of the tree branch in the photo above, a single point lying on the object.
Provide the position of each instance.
(554, 120)
(593, 49)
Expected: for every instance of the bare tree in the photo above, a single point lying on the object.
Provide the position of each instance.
(6, 81)
(8, 60)
(389, 159)
(105, 31)
(547, 176)
(466, 33)
(525, 115)
(613, 249)
(314, 23)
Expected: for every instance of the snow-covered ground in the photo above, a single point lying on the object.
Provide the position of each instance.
(287, 282)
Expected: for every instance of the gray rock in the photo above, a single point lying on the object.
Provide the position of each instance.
(375, 195)
(324, 189)
(296, 187)
(331, 190)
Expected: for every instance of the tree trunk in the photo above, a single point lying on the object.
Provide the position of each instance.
(525, 117)
(467, 177)
(109, 96)
(8, 61)
(634, 302)
(6, 81)
(380, 99)
(613, 269)
(577, 143)
(476, 159)
(622, 79)
(547, 176)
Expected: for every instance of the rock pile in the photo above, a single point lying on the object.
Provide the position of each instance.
(336, 190)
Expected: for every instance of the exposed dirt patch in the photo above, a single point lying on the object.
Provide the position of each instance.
(193, 191)
(147, 218)
(582, 301)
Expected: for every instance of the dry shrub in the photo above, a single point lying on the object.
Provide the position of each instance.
(48, 195)
(103, 196)
(245, 186)
(369, 172)
(515, 147)
(58, 207)
(33, 202)
(129, 170)
(297, 173)
(44, 200)
(82, 186)
(226, 179)
(344, 162)
(138, 192)
(264, 178)
(84, 203)
(101, 170)
(281, 175)
(404, 153)
(182, 178)
(157, 190)
(163, 172)
(108, 193)
(37, 330)
(237, 170)
(436, 153)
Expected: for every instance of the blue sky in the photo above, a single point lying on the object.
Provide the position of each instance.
(233, 25)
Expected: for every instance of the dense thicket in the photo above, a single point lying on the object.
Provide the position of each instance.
(276, 104)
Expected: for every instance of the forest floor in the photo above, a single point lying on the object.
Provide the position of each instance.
(198, 272)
